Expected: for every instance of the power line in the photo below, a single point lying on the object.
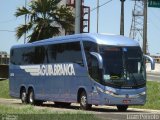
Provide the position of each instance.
(101, 5)
(77, 16)
(7, 21)
(95, 8)
(7, 31)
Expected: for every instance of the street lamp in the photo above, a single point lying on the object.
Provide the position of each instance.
(122, 18)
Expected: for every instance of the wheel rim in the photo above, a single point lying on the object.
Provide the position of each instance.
(83, 100)
(23, 96)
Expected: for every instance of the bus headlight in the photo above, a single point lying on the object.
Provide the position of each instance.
(143, 93)
(110, 92)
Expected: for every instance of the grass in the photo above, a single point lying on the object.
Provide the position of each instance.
(28, 109)
(153, 94)
(4, 89)
(28, 112)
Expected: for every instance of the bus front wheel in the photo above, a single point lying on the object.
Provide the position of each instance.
(122, 108)
(83, 101)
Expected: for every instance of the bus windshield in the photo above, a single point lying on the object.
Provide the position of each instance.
(123, 67)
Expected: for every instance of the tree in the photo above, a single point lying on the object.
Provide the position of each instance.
(45, 19)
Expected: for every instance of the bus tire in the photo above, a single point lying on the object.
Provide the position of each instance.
(23, 96)
(83, 101)
(31, 98)
(122, 108)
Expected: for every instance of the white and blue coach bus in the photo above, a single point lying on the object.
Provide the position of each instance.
(90, 69)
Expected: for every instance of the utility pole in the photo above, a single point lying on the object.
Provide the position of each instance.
(138, 29)
(145, 28)
(25, 22)
(122, 18)
(97, 15)
(78, 16)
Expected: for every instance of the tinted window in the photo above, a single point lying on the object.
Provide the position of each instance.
(12, 56)
(89, 47)
(56, 53)
(22, 56)
(39, 55)
(92, 62)
(94, 69)
(51, 53)
(27, 55)
(65, 52)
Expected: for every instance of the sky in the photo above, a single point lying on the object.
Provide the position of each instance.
(109, 22)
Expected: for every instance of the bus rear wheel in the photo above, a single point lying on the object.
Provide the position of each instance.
(122, 108)
(31, 99)
(23, 96)
(83, 101)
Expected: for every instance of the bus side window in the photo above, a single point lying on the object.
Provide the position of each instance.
(39, 55)
(92, 62)
(93, 68)
(89, 47)
(12, 59)
(64, 53)
(51, 53)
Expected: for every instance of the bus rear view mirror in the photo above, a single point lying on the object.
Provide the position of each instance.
(151, 61)
(99, 58)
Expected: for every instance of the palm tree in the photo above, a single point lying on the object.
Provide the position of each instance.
(46, 18)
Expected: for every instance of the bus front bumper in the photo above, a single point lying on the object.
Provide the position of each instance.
(123, 97)
(138, 99)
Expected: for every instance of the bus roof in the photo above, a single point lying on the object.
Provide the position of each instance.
(103, 39)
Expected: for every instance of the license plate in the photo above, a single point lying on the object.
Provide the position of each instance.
(126, 101)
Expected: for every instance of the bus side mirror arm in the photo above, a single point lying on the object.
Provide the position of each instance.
(99, 58)
(151, 61)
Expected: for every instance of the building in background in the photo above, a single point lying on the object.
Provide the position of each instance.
(4, 65)
(156, 58)
(66, 3)
(85, 16)
(4, 58)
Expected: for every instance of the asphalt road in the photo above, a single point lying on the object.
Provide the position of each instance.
(153, 76)
(101, 112)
